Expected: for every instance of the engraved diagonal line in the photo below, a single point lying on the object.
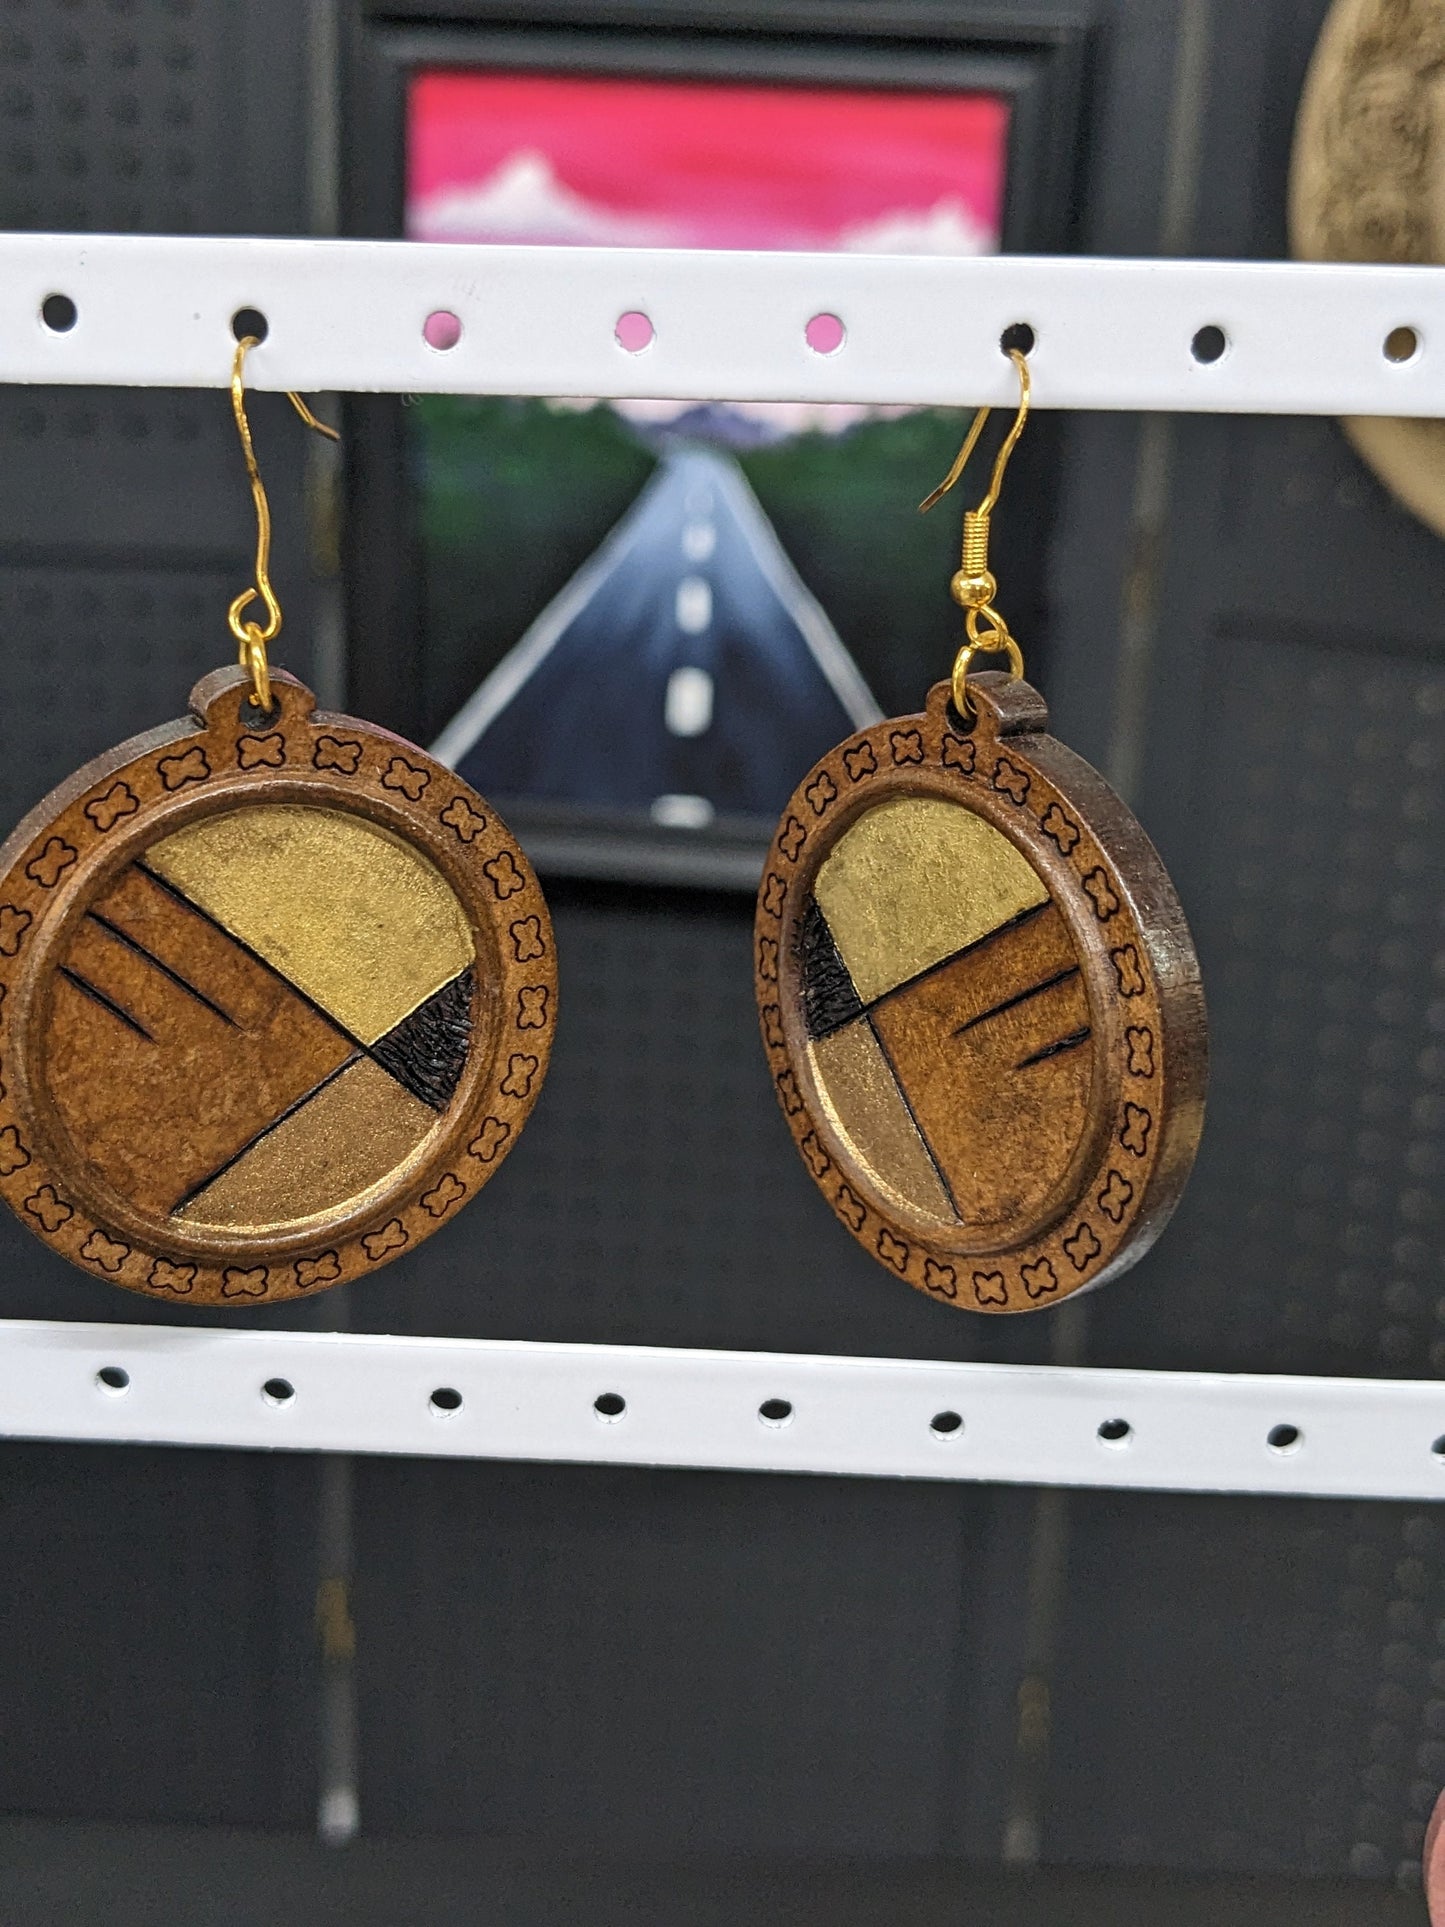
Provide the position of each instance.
(106, 1003)
(991, 936)
(182, 983)
(938, 1170)
(265, 1131)
(1071, 1042)
(267, 965)
(1020, 997)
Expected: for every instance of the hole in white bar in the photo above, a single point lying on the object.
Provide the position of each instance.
(776, 1411)
(634, 331)
(445, 1400)
(1209, 344)
(1438, 1448)
(278, 1391)
(250, 323)
(1285, 1438)
(441, 330)
(825, 334)
(59, 313)
(945, 1425)
(1116, 1431)
(113, 1379)
(1020, 336)
(609, 1407)
(1401, 344)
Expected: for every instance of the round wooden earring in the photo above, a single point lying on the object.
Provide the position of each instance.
(981, 1005)
(277, 993)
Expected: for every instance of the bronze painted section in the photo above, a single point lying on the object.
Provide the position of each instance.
(915, 880)
(862, 1096)
(350, 1135)
(200, 1045)
(995, 1054)
(359, 920)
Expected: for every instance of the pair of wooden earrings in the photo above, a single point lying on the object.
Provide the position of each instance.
(277, 991)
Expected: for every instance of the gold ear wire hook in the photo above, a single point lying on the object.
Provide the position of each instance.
(973, 586)
(250, 634)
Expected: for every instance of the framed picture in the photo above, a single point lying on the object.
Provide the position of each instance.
(723, 590)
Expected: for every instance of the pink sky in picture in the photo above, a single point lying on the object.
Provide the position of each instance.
(627, 162)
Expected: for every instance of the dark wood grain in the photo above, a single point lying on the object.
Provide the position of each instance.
(147, 1050)
(1054, 1068)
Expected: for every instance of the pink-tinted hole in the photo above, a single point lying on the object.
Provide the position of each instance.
(824, 334)
(634, 331)
(441, 329)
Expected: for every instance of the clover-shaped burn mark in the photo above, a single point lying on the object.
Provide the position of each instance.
(850, 1208)
(1083, 1247)
(821, 792)
(817, 1158)
(176, 771)
(440, 1199)
(107, 1253)
(906, 745)
(1140, 1040)
(1115, 1196)
(788, 1093)
(48, 1208)
(461, 817)
(768, 959)
(1063, 830)
(255, 752)
(51, 864)
(521, 1069)
(165, 1276)
(13, 925)
(773, 892)
(1009, 780)
(960, 753)
(791, 838)
(1100, 892)
(942, 1280)
(527, 939)
(380, 1244)
(1134, 1132)
(337, 752)
(106, 811)
(237, 1281)
(506, 878)
(324, 1269)
(13, 1154)
(1126, 967)
(490, 1139)
(532, 1007)
(401, 775)
(773, 1026)
(860, 762)
(893, 1251)
(989, 1288)
(1040, 1279)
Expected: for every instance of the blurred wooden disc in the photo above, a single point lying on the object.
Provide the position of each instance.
(1367, 183)
(276, 997)
(981, 1005)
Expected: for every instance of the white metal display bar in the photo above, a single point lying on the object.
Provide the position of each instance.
(744, 1411)
(349, 315)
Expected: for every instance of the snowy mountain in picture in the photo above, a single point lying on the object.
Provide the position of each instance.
(526, 203)
(945, 228)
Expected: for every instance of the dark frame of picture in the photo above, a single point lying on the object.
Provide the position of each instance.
(1039, 67)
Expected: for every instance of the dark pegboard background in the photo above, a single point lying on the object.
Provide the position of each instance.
(155, 1635)
(654, 1663)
